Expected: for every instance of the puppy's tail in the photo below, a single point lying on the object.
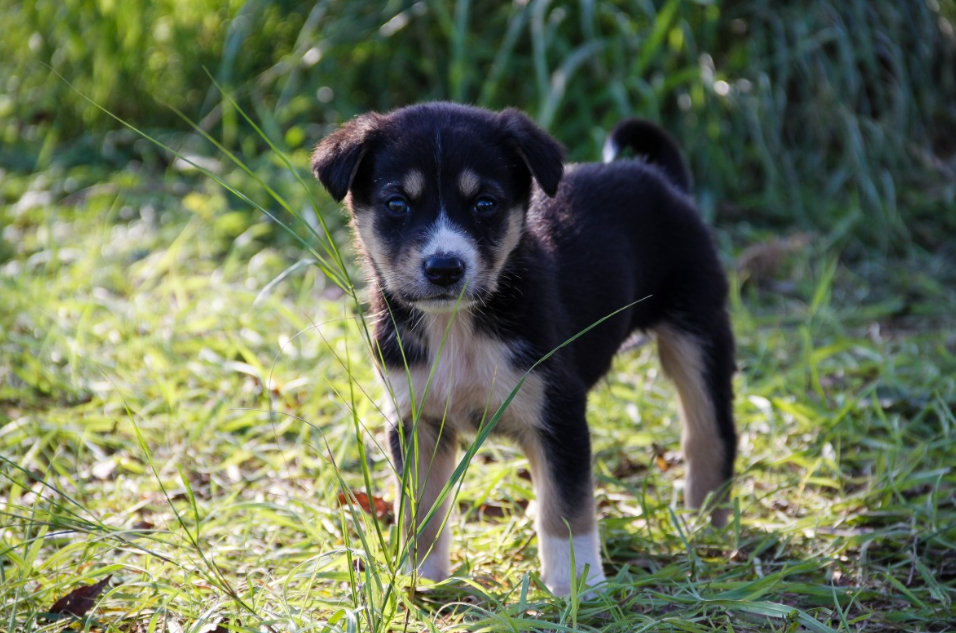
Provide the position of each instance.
(654, 144)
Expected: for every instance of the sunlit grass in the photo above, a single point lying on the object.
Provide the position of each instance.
(161, 426)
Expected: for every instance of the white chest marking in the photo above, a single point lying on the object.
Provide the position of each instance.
(471, 377)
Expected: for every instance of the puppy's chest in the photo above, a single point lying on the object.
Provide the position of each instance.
(465, 377)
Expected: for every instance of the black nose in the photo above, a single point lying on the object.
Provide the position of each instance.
(443, 270)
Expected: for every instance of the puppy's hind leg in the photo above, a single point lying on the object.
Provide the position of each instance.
(431, 449)
(701, 364)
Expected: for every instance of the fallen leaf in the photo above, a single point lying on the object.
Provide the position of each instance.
(764, 260)
(489, 511)
(367, 503)
(663, 458)
(80, 600)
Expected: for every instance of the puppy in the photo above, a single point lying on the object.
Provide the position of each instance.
(485, 253)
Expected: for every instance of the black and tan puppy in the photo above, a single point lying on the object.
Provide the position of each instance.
(485, 252)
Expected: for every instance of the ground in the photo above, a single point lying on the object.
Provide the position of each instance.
(179, 415)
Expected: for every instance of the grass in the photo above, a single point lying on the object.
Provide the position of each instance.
(186, 398)
(162, 425)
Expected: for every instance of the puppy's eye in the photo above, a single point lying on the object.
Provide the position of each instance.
(485, 206)
(397, 206)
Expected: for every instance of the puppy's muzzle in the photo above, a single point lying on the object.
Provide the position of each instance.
(444, 270)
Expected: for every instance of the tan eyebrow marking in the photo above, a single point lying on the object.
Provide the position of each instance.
(414, 183)
(468, 183)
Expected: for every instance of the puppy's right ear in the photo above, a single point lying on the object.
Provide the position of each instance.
(337, 157)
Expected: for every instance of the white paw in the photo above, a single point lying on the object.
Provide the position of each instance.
(562, 587)
(435, 568)
(556, 561)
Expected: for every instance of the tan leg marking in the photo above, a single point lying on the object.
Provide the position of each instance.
(434, 466)
(551, 514)
(682, 359)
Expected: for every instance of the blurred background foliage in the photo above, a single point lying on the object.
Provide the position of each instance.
(832, 116)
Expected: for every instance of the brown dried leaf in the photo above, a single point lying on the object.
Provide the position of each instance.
(764, 260)
(80, 600)
(662, 458)
(367, 503)
(489, 511)
(494, 510)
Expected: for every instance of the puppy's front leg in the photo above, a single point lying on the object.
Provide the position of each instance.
(431, 449)
(560, 456)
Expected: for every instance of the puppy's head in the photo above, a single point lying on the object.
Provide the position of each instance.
(438, 195)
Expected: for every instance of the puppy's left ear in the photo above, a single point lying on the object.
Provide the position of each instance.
(543, 155)
(337, 157)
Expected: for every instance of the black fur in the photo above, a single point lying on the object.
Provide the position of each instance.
(645, 139)
(335, 160)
